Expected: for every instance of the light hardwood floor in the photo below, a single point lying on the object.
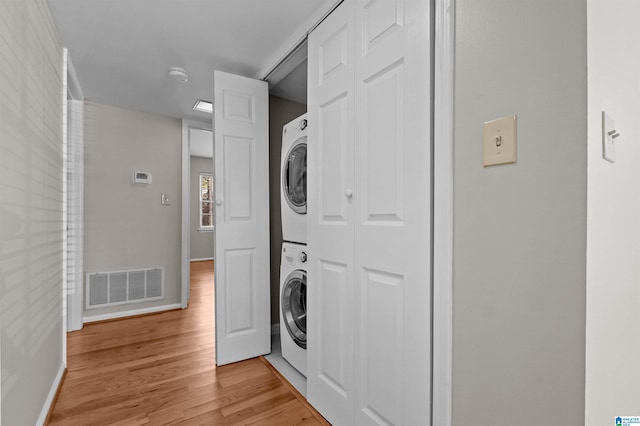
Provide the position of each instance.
(160, 370)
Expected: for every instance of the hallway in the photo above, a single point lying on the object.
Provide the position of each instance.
(160, 370)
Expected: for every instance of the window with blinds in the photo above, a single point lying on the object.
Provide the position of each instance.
(207, 211)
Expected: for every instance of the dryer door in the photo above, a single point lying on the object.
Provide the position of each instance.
(293, 303)
(294, 176)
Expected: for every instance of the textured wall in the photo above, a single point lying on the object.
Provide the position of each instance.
(31, 208)
(520, 229)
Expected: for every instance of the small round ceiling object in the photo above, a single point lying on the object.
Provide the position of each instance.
(178, 74)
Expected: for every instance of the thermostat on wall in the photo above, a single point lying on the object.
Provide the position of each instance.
(142, 177)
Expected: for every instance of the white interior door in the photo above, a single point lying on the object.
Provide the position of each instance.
(393, 214)
(241, 159)
(330, 319)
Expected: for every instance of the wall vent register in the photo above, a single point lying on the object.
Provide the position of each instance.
(123, 287)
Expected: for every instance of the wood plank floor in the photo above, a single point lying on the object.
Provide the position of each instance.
(160, 370)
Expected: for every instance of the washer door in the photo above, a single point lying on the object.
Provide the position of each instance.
(293, 304)
(294, 176)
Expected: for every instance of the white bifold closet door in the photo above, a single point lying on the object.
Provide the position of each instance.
(330, 228)
(241, 163)
(369, 288)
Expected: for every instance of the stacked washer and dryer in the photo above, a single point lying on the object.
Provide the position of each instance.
(293, 269)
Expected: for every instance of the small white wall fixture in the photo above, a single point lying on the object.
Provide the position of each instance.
(609, 138)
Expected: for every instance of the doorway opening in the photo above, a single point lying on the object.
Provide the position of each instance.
(287, 102)
(198, 221)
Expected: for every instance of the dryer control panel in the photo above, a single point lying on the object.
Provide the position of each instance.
(293, 255)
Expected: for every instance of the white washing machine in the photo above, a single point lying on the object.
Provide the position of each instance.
(293, 305)
(293, 181)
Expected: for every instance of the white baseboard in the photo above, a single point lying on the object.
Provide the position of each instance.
(131, 313)
(201, 260)
(275, 329)
(52, 394)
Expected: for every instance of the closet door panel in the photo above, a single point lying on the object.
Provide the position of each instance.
(382, 333)
(332, 152)
(333, 337)
(393, 211)
(333, 56)
(380, 19)
(330, 345)
(382, 159)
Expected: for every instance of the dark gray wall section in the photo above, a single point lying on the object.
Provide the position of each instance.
(520, 229)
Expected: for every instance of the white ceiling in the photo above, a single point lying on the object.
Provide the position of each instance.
(201, 143)
(289, 87)
(122, 49)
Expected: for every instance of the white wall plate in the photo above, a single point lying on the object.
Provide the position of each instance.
(499, 141)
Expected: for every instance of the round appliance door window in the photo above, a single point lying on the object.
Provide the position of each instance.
(293, 302)
(294, 176)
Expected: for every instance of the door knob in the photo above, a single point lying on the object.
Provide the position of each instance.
(218, 202)
(348, 193)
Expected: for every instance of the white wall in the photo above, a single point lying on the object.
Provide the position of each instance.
(31, 206)
(201, 242)
(613, 248)
(520, 229)
(125, 224)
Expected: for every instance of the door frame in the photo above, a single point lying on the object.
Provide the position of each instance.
(185, 273)
(73, 290)
(442, 262)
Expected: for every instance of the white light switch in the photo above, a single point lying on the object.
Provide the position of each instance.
(609, 138)
(164, 200)
(499, 141)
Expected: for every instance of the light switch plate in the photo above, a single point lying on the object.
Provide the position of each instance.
(608, 138)
(499, 141)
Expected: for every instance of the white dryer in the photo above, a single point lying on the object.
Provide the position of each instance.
(293, 305)
(293, 181)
